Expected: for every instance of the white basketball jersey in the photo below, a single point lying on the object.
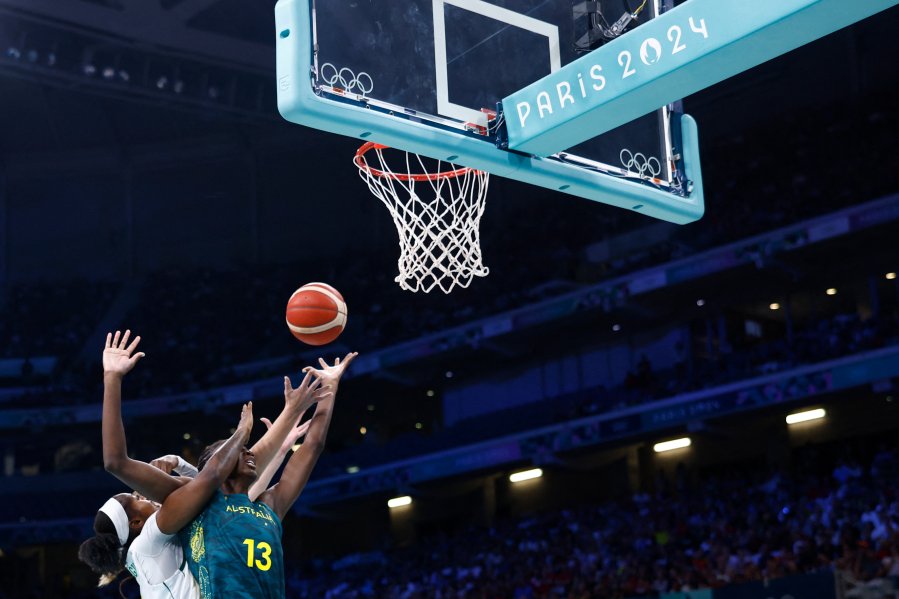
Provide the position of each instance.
(157, 563)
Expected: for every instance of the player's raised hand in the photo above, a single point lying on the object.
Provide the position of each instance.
(330, 374)
(118, 356)
(245, 426)
(309, 392)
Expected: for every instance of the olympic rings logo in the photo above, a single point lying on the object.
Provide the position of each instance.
(640, 164)
(346, 79)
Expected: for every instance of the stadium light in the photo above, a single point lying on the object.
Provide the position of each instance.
(352, 469)
(774, 306)
(890, 276)
(831, 291)
(806, 416)
(673, 444)
(517, 477)
(399, 501)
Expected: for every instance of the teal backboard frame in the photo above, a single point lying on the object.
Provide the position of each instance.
(298, 102)
(683, 50)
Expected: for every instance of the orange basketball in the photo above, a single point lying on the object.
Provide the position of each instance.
(316, 314)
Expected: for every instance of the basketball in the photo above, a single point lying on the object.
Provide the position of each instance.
(316, 314)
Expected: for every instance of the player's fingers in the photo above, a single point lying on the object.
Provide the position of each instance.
(137, 357)
(287, 387)
(249, 409)
(108, 340)
(125, 338)
(306, 379)
(133, 345)
(115, 339)
(322, 362)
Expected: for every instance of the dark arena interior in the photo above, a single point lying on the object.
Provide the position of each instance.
(148, 183)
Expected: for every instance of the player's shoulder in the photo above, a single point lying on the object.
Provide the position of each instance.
(267, 498)
(150, 529)
(150, 541)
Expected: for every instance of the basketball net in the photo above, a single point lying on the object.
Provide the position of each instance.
(440, 243)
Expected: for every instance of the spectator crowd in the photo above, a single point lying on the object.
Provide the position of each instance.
(689, 533)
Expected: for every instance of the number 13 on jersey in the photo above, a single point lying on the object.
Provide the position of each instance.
(265, 550)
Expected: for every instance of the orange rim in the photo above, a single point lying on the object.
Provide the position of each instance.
(360, 161)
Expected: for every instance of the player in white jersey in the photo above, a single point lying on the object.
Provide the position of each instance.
(156, 561)
(137, 534)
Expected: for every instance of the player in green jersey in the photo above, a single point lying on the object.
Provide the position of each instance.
(155, 559)
(234, 547)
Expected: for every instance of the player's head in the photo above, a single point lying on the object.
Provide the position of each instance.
(245, 468)
(116, 525)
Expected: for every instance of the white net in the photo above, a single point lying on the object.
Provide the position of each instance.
(437, 215)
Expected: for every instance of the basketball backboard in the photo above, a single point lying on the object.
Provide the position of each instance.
(428, 76)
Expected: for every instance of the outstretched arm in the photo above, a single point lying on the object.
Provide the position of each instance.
(140, 476)
(296, 402)
(184, 504)
(268, 473)
(296, 474)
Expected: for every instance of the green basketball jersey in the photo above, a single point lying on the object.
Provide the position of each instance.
(233, 549)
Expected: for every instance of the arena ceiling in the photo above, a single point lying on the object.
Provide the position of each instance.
(233, 33)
